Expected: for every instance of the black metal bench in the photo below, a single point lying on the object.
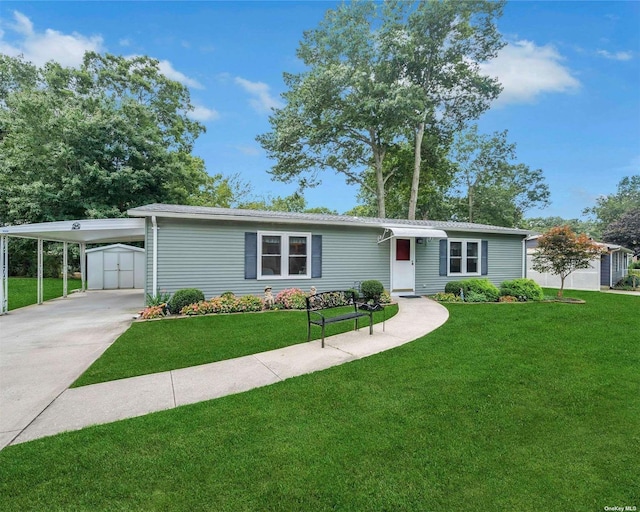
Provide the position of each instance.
(323, 301)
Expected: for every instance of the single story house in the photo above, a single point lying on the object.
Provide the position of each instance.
(603, 272)
(245, 251)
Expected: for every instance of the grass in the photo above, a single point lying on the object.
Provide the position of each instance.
(524, 407)
(162, 345)
(23, 290)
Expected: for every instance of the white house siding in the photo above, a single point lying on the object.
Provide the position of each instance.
(209, 255)
(505, 261)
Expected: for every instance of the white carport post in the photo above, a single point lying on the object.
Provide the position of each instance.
(40, 271)
(4, 274)
(65, 266)
(83, 266)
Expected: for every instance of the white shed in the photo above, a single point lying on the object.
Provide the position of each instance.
(115, 266)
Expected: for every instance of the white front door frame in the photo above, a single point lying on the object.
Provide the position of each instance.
(403, 272)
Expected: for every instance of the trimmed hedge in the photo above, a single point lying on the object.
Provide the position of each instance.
(372, 289)
(523, 289)
(183, 298)
(473, 288)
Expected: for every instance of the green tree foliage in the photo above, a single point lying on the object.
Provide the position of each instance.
(491, 188)
(542, 224)
(379, 75)
(560, 251)
(94, 141)
(437, 51)
(610, 208)
(344, 111)
(625, 231)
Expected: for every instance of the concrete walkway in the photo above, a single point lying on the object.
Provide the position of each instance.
(126, 398)
(45, 348)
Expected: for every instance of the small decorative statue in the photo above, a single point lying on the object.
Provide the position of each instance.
(268, 297)
(313, 290)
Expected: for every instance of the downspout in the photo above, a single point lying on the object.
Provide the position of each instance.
(65, 267)
(154, 264)
(524, 257)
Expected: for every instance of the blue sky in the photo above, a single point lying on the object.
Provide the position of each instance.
(571, 76)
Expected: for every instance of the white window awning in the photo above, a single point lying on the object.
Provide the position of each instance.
(410, 232)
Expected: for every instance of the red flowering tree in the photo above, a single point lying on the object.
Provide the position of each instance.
(561, 251)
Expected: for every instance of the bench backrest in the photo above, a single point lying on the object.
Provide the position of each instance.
(334, 299)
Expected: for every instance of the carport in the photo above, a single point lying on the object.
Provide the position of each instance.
(81, 232)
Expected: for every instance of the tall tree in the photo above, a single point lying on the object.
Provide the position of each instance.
(345, 111)
(610, 208)
(93, 141)
(560, 251)
(378, 75)
(491, 188)
(625, 231)
(438, 50)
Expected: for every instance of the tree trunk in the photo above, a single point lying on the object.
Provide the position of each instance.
(378, 156)
(561, 286)
(415, 182)
(470, 198)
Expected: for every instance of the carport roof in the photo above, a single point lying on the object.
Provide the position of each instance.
(91, 231)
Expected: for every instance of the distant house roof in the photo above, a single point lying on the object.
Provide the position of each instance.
(232, 214)
(609, 246)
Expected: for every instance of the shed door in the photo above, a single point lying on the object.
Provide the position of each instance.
(125, 274)
(110, 270)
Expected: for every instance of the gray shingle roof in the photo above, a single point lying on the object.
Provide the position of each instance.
(202, 212)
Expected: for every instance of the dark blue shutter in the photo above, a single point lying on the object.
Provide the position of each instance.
(316, 255)
(251, 255)
(443, 257)
(484, 266)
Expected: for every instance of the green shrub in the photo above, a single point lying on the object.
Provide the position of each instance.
(372, 290)
(228, 295)
(160, 299)
(454, 287)
(634, 265)
(356, 293)
(523, 289)
(183, 298)
(628, 283)
(472, 296)
(446, 297)
(476, 285)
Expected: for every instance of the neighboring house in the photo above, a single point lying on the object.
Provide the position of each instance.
(604, 271)
(244, 251)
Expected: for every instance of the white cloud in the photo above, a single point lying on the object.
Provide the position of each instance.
(202, 114)
(616, 55)
(527, 71)
(262, 101)
(167, 69)
(248, 150)
(42, 47)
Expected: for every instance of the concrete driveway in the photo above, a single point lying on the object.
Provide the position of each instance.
(45, 348)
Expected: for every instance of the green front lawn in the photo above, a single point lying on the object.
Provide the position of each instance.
(23, 291)
(527, 407)
(169, 344)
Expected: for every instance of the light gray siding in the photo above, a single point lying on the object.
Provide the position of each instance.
(505, 261)
(210, 256)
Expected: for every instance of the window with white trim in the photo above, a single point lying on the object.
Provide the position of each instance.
(284, 255)
(464, 257)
